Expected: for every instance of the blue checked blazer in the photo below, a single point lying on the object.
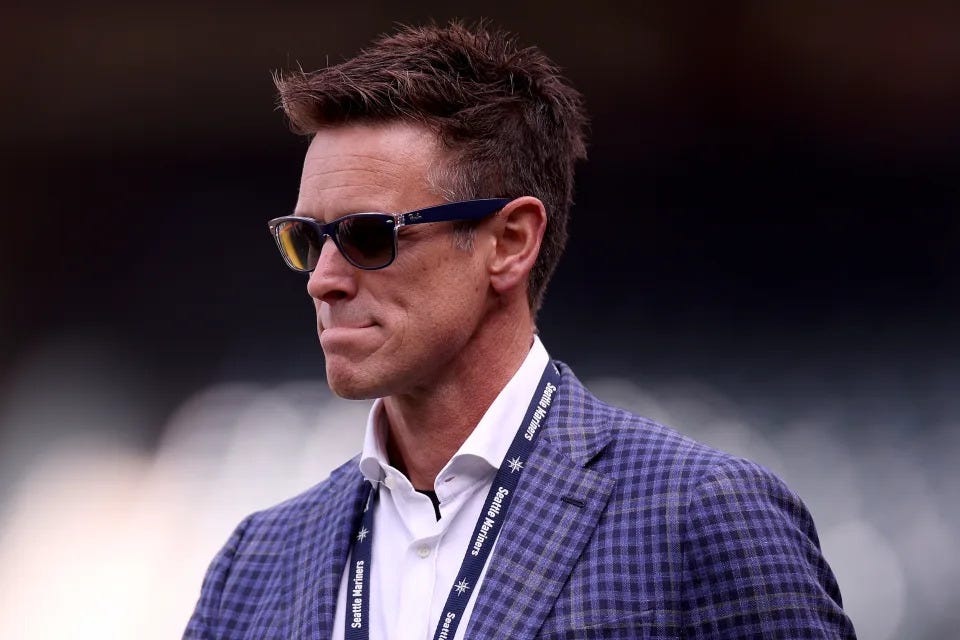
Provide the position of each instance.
(620, 528)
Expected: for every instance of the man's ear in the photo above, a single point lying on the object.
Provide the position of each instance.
(517, 232)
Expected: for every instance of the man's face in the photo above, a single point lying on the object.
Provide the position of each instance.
(401, 328)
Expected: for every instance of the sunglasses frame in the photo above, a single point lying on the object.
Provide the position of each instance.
(449, 212)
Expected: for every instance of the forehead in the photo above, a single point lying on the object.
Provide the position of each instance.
(367, 167)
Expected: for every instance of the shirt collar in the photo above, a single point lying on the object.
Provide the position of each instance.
(487, 444)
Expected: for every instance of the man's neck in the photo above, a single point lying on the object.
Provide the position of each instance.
(428, 426)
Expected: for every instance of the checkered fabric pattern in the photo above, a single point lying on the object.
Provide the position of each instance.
(620, 528)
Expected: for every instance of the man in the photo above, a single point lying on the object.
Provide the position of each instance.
(494, 496)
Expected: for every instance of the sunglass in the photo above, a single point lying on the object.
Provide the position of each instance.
(366, 240)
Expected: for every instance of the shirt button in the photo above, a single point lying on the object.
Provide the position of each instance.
(423, 551)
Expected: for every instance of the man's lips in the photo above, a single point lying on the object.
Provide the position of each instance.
(345, 326)
(330, 332)
(339, 338)
(342, 326)
(343, 320)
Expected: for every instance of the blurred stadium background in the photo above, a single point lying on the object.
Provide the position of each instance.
(764, 254)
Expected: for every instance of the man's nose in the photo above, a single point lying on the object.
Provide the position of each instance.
(333, 278)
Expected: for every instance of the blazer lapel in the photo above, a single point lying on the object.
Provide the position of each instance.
(320, 554)
(556, 508)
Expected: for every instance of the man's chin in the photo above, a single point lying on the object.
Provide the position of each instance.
(352, 383)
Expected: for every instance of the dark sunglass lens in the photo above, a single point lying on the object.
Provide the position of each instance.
(300, 244)
(367, 240)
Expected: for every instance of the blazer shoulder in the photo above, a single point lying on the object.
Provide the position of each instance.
(341, 482)
(645, 456)
(622, 440)
(249, 570)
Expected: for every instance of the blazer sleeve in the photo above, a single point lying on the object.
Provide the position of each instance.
(205, 622)
(752, 561)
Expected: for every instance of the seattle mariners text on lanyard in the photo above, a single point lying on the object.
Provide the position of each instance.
(488, 526)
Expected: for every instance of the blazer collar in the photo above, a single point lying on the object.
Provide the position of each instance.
(556, 508)
(575, 427)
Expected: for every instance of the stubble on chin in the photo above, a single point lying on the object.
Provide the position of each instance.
(350, 382)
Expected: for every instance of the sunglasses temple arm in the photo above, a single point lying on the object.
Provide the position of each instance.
(470, 210)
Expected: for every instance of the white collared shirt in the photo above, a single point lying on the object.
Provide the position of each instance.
(416, 557)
